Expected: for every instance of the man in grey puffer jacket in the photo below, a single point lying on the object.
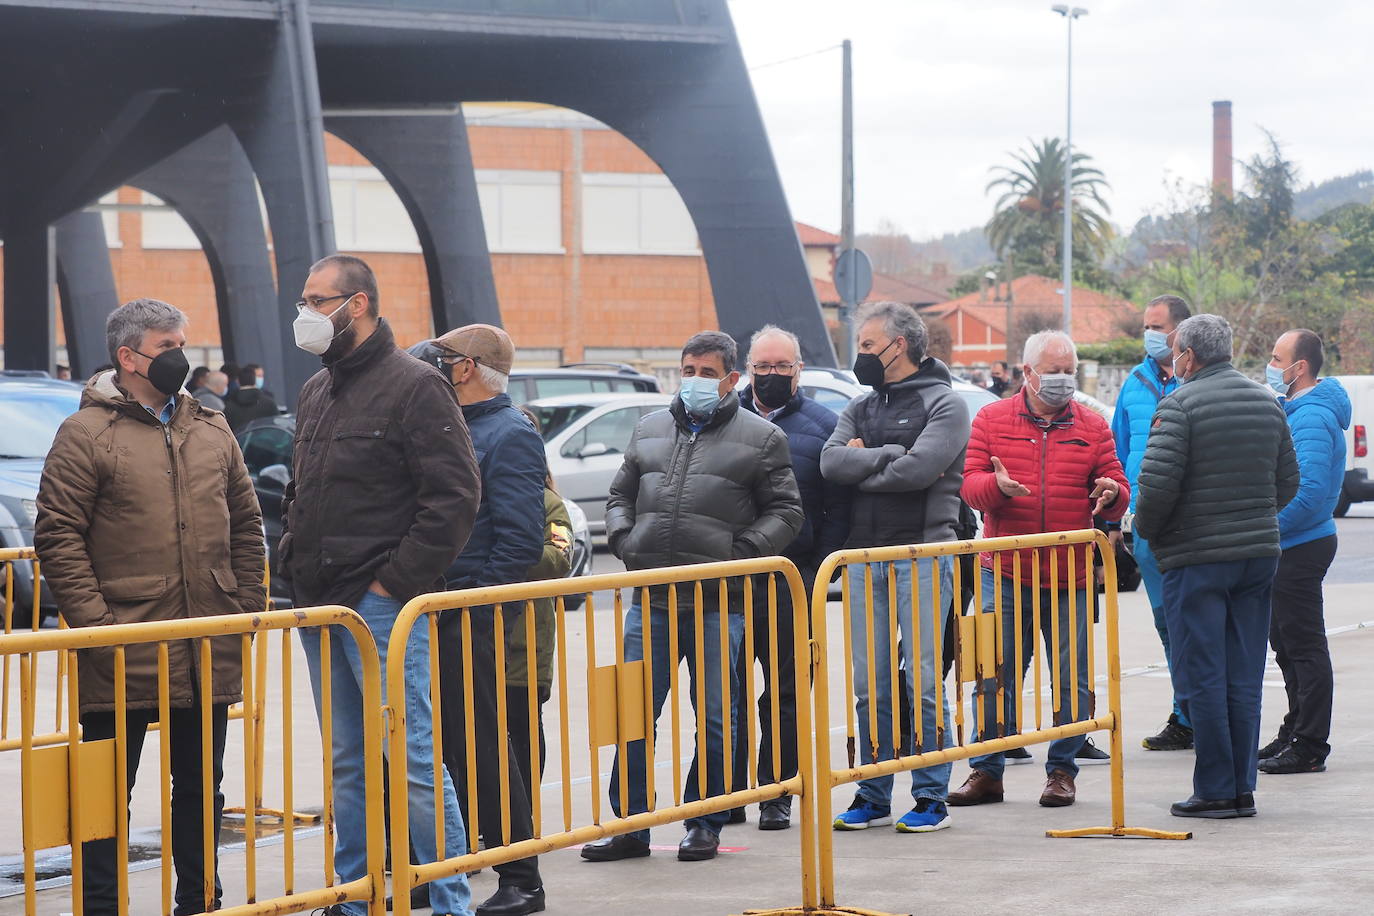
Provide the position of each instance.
(1218, 466)
(703, 481)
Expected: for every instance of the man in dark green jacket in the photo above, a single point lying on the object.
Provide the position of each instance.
(1218, 467)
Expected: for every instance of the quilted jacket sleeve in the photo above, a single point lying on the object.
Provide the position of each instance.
(1162, 469)
(66, 504)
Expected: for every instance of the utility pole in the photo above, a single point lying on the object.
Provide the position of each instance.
(1069, 16)
(847, 193)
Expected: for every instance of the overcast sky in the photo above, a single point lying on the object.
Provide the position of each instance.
(945, 88)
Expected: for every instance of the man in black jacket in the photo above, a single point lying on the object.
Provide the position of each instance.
(248, 402)
(702, 482)
(774, 393)
(1218, 466)
(383, 496)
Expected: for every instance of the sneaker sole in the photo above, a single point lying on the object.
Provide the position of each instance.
(969, 803)
(924, 828)
(875, 822)
(1092, 761)
(1319, 768)
(1224, 814)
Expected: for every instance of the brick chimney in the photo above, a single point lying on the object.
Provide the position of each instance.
(1221, 148)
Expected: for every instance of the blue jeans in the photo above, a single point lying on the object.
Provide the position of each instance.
(715, 715)
(448, 895)
(1061, 752)
(1219, 616)
(1154, 589)
(927, 782)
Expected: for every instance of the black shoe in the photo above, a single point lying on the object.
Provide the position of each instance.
(1090, 754)
(1017, 756)
(1174, 736)
(698, 845)
(331, 910)
(737, 815)
(1292, 759)
(615, 848)
(419, 898)
(1275, 747)
(1216, 808)
(510, 900)
(1245, 804)
(776, 814)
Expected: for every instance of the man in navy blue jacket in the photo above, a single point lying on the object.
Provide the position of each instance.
(775, 367)
(507, 539)
(1318, 415)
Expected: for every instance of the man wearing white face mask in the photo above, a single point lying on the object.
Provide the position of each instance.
(384, 492)
(703, 481)
(1036, 463)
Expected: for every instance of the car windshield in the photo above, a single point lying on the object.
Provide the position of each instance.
(553, 419)
(29, 419)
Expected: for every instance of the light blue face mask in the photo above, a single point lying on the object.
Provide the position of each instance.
(1157, 345)
(1275, 379)
(700, 395)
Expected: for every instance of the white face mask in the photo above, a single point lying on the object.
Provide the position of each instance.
(315, 332)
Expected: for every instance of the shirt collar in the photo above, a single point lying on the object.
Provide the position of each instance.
(167, 410)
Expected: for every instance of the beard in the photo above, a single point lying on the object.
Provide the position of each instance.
(342, 344)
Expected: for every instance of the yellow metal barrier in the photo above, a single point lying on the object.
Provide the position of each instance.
(981, 657)
(72, 791)
(620, 699)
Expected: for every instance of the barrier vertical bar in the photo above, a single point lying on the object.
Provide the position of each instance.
(980, 684)
(1037, 634)
(819, 789)
(164, 753)
(593, 703)
(536, 781)
(938, 654)
(26, 814)
(774, 700)
(674, 688)
(958, 659)
(436, 732)
(726, 704)
(893, 639)
(287, 769)
(999, 659)
(800, 604)
(121, 755)
(74, 788)
(502, 722)
(870, 659)
(747, 653)
(250, 770)
(1056, 669)
(916, 670)
(9, 623)
(703, 758)
(646, 650)
(1019, 623)
(847, 643)
(469, 727)
(327, 747)
(621, 745)
(208, 825)
(564, 751)
(1092, 625)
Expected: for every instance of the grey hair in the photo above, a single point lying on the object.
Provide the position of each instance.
(1040, 341)
(899, 320)
(1208, 336)
(772, 330)
(704, 343)
(494, 379)
(127, 324)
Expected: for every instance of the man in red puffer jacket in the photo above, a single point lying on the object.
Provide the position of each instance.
(1037, 462)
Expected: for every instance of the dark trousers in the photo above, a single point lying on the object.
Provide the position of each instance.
(518, 724)
(488, 740)
(785, 687)
(1297, 632)
(99, 857)
(1218, 619)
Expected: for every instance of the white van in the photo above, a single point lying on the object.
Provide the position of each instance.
(1359, 464)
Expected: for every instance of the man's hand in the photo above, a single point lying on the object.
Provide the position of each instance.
(377, 588)
(1105, 492)
(855, 443)
(1115, 538)
(1008, 486)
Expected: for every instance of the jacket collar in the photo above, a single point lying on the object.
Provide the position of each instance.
(104, 391)
(794, 403)
(1062, 420)
(490, 405)
(725, 412)
(378, 344)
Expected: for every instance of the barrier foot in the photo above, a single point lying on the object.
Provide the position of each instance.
(820, 911)
(297, 818)
(1146, 832)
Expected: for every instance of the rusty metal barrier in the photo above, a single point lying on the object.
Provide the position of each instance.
(887, 657)
(74, 789)
(622, 694)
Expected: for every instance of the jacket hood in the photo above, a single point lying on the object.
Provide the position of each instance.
(1328, 394)
(929, 374)
(102, 391)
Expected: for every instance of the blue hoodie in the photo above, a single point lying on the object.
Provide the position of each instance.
(1318, 420)
(1135, 410)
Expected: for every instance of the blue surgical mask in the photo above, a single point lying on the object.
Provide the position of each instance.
(1157, 345)
(700, 395)
(1275, 379)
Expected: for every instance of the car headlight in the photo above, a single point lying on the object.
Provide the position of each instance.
(30, 507)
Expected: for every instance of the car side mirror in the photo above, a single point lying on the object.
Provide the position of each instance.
(592, 449)
(274, 477)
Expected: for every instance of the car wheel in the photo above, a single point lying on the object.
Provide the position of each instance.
(1342, 504)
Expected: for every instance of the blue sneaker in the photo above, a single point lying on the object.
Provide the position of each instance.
(862, 815)
(928, 815)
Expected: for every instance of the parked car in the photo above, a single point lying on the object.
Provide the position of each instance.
(32, 407)
(1359, 464)
(267, 445)
(585, 438)
(578, 378)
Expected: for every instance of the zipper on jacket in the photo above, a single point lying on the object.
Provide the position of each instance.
(1044, 468)
(181, 548)
(677, 501)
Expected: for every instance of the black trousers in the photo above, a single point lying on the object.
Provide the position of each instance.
(1297, 633)
(517, 723)
(489, 739)
(99, 857)
(785, 687)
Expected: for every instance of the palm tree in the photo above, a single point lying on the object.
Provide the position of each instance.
(1028, 218)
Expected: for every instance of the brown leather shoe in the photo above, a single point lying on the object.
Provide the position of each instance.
(1059, 791)
(979, 789)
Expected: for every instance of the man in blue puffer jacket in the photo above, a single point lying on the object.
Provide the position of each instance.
(1318, 414)
(775, 367)
(1135, 409)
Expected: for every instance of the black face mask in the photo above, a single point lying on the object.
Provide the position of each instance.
(869, 368)
(773, 390)
(168, 370)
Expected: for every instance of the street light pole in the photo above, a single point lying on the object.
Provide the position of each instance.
(847, 190)
(1069, 14)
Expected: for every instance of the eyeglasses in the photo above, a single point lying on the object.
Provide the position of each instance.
(766, 368)
(314, 302)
